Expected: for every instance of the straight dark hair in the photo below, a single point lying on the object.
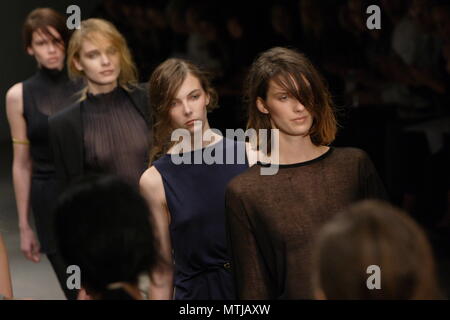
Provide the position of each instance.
(41, 19)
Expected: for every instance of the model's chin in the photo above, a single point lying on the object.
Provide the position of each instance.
(105, 81)
(296, 131)
(53, 65)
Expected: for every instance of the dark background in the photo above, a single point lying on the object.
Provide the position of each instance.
(390, 86)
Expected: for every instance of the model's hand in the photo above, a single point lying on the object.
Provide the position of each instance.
(29, 245)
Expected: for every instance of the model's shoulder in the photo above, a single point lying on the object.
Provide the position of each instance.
(15, 93)
(140, 87)
(150, 179)
(350, 153)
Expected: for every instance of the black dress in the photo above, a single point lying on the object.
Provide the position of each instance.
(44, 94)
(195, 195)
(105, 133)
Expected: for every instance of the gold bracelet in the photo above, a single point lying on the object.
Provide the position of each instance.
(17, 141)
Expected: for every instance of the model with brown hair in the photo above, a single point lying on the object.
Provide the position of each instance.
(272, 219)
(29, 105)
(186, 200)
(373, 233)
(106, 130)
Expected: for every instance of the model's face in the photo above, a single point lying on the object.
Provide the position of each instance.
(48, 51)
(99, 61)
(189, 105)
(286, 113)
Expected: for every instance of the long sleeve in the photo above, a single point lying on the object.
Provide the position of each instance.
(250, 272)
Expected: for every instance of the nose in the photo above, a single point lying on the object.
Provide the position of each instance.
(105, 60)
(51, 47)
(298, 107)
(187, 108)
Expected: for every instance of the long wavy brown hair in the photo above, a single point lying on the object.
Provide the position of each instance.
(164, 84)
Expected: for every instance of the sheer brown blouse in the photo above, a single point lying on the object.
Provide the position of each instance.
(273, 219)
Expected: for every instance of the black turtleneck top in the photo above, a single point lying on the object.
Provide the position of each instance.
(44, 94)
(115, 136)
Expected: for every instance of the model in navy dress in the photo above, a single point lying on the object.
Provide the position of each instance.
(187, 199)
(195, 199)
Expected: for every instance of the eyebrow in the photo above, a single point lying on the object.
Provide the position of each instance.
(193, 91)
(190, 93)
(92, 51)
(280, 91)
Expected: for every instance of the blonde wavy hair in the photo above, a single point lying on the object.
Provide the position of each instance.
(93, 30)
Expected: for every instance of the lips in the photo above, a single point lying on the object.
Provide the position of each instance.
(299, 119)
(107, 72)
(190, 122)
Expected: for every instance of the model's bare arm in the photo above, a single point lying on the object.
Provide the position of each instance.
(22, 168)
(161, 277)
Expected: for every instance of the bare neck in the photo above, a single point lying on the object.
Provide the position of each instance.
(95, 88)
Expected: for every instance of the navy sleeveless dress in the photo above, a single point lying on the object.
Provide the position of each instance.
(195, 195)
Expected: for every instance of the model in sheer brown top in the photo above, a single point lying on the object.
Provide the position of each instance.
(273, 219)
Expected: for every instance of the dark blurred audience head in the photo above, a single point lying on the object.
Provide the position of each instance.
(311, 17)
(440, 14)
(294, 73)
(282, 20)
(235, 28)
(102, 226)
(154, 15)
(373, 233)
(204, 17)
(446, 54)
(420, 12)
(357, 15)
(164, 84)
(176, 16)
(395, 9)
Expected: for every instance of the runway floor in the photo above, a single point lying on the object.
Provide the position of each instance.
(29, 279)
